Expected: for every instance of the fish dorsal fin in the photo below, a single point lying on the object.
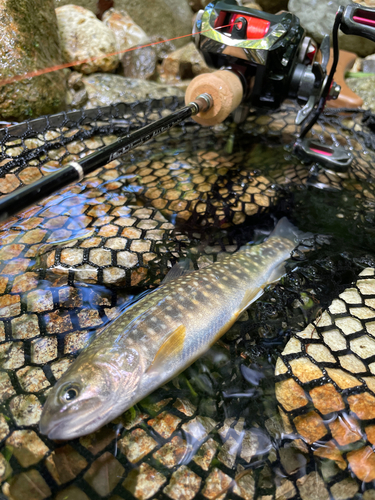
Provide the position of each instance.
(185, 266)
(170, 348)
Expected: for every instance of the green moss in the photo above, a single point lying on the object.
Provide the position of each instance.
(30, 42)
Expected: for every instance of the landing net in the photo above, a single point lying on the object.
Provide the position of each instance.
(70, 263)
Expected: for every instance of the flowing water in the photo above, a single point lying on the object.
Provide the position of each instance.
(229, 426)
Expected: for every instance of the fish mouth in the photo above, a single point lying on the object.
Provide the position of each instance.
(70, 424)
(54, 432)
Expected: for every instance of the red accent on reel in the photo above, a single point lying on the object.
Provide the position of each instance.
(322, 152)
(220, 20)
(364, 17)
(256, 28)
(311, 53)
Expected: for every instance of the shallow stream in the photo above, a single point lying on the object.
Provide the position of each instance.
(71, 264)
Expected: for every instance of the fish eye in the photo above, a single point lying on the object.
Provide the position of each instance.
(69, 394)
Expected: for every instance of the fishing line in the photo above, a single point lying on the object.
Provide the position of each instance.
(59, 67)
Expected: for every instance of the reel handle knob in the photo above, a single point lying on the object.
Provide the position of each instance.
(358, 20)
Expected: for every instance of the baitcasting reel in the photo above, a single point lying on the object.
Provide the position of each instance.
(275, 61)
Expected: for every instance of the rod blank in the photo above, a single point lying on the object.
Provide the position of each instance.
(76, 170)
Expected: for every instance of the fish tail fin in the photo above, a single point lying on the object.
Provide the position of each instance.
(285, 229)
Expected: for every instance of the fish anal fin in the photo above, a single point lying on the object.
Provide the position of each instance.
(276, 273)
(249, 298)
(254, 294)
(171, 347)
(182, 268)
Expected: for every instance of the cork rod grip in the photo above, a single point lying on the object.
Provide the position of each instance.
(226, 90)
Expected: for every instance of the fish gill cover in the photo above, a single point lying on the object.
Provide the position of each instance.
(72, 263)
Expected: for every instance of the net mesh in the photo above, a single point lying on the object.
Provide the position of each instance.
(70, 263)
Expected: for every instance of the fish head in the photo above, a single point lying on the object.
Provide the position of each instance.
(94, 390)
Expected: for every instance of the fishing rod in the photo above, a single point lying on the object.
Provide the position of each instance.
(75, 171)
(261, 60)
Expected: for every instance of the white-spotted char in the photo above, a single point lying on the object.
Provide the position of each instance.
(161, 335)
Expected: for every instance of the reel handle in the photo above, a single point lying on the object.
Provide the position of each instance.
(358, 20)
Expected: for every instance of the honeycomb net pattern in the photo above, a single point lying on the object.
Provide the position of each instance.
(325, 383)
(70, 263)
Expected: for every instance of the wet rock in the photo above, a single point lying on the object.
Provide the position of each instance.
(228, 452)
(365, 88)
(11, 355)
(291, 459)
(185, 406)
(71, 493)
(250, 445)
(83, 36)
(172, 453)
(205, 454)
(273, 6)
(87, 4)
(98, 440)
(105, 89)
(344, 489)
(64, 464)
(25, 327)
(9, 305)
(4, 428)
(184, 484)
(136, 445)
(104, 474)
(162, 49)
(6, 387)
(32, 379)
(199, 427)
(140, 63)
(312, 486)
(39, 301)
(182, 64)
(5, 468)
(215, 483)
(252, 5)
(164, 424)
(30, 485)
(77, 94)
(26, 409)
(196, 5)
(368, 64)
(75, 342)
(165, 18)
(317, 17)
(43, 350)
(21, 53)
(26, 447)
(144, 482)
(127, 32)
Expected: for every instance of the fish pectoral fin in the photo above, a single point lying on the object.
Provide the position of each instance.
(185, 266)
(172, 346)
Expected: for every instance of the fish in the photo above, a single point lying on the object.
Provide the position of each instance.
(161, 335)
